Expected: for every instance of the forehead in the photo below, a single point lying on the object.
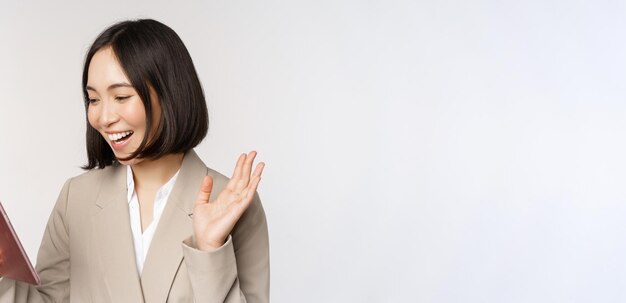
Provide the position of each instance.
(105, 70)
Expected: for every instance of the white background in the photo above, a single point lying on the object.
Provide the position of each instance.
(417, 151)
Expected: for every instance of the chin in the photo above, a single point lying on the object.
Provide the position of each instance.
(129, 162)
(132, 161)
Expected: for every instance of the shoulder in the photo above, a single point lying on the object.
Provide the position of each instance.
(193, 170)
(94, 177)
(79, 193)
(85, 188)
(219, 180)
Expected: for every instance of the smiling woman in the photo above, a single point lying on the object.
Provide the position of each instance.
(147, 61)
(142, 225)
(115, 109)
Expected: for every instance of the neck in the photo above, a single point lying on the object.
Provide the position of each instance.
(154, 173)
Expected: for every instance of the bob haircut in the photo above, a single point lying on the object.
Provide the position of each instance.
(153, 57)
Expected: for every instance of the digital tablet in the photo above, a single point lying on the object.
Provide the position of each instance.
(14, 263)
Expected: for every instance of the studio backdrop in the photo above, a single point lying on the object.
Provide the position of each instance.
(417, 151)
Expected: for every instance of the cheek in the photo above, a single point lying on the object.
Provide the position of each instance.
(92, 117)
(134, 115)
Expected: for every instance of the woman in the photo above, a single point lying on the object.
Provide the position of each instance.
(149, 222)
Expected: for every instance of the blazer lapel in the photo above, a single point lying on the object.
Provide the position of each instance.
(165, 253)
(113, 236)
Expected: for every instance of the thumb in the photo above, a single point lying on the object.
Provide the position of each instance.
(205, 190)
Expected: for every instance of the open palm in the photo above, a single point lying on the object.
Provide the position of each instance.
(214, 220)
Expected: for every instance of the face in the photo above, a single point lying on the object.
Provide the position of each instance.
(115, 109)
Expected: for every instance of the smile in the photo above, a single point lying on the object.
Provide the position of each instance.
(120, 140)
(118, 137)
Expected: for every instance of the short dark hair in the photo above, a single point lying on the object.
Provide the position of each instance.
(153, 57)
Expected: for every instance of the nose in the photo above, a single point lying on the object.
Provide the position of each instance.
(108, 114)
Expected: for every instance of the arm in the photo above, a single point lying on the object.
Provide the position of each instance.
(228, 256)
(238, 271)
(53, 263)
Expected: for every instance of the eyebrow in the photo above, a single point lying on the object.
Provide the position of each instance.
(112, 86)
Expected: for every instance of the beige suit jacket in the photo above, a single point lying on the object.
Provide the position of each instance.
(87, 253)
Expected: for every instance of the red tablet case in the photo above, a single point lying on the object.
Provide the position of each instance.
(14, 263)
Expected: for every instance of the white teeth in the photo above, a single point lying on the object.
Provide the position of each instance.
(117, 136)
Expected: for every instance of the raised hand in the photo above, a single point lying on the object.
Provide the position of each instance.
(213, 220)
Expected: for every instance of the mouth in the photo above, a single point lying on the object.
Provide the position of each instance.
(118, 140)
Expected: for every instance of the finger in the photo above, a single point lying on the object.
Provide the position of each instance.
(251, 190)
(248, 194)
(237, 172)
(258, 170)
(249, 187)
(247, 168)
(255, 176)
(205, 190)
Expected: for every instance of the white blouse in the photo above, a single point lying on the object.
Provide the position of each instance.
(142, 240)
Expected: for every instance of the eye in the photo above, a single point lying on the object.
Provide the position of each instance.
(121, 98)
(92, 100)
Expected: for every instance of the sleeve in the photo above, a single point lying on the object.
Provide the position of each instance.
(239, 270)
(53, 263)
